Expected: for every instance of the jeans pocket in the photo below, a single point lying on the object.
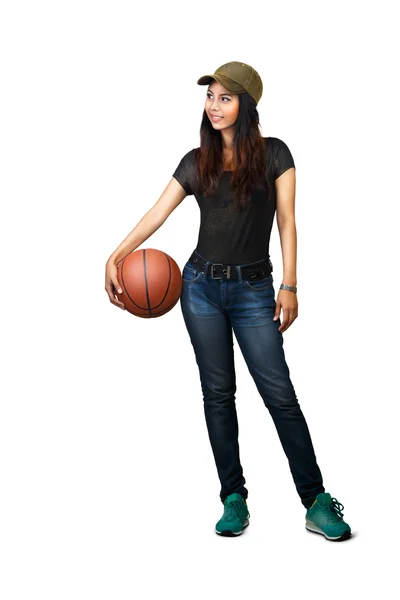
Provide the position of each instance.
(189, 274)
(260, 284)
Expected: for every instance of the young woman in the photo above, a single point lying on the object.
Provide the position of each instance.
(240, 179)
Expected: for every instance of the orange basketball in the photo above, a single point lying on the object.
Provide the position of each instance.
(151, 283)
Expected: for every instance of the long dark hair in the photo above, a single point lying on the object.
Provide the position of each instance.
(250, 160)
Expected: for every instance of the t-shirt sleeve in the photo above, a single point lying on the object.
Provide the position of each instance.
(184, 173)
(283, 159)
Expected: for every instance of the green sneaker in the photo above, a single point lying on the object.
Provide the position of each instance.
(235, 517)
(324, 517)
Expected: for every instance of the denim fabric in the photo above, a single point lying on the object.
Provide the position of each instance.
(214, 309)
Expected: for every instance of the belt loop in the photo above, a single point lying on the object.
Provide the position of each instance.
(229, 271)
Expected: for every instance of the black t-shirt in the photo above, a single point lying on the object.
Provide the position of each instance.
(229, 237)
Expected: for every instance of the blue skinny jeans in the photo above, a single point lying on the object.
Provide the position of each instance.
(212, 310)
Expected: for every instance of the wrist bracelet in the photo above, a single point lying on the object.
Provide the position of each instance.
(290, 288)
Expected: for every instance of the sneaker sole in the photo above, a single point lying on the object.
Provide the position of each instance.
(314, 529)
(229, 533)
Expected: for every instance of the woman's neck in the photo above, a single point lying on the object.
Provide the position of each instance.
(227, 155)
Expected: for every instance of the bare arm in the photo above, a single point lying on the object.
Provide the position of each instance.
(285, 214)
(152, 220)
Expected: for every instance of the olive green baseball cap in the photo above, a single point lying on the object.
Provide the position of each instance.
(237, 77)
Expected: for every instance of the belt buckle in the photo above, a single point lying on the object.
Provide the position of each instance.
(212, 270)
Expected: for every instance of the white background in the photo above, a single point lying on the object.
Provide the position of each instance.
(108, 484)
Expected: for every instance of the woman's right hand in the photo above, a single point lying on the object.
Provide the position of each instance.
(112, 284)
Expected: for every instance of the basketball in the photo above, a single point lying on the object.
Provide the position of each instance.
(151, 283)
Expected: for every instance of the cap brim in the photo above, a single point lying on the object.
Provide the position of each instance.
(229, 84)
(205, 79)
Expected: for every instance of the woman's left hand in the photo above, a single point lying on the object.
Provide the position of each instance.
(287, 302)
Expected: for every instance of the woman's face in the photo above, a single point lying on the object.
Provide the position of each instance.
(222, 103)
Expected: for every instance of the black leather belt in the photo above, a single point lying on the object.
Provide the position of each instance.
(253, 271)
